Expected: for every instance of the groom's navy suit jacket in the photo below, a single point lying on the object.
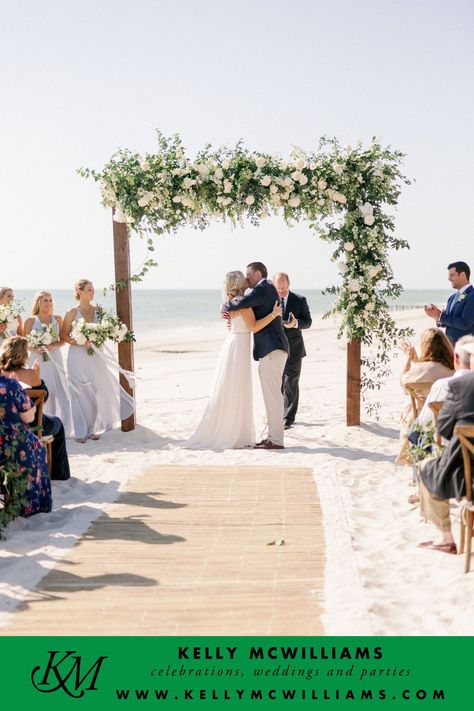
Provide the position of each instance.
(272, 337)
(458, 319)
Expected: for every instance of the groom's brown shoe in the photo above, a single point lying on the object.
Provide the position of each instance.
(260, 444)
(270, 445)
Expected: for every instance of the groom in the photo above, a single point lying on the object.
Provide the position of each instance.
(270, 348)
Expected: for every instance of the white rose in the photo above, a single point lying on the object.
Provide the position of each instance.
(260, 162)
(145, 165)
(273, 189)
(80, 339)
(354, 285)
(338, 169)
(119, 215)
(299, 164)
(220, 200)
(294, 201)
(93, 337)
(276, 199)
(303, 179)
(296, 175)
(370, 306)
(312, 166)
(227, 186)
(188, 182)
(338, 197)
(263, 215)
(348, 246)
(249, 200)
(218, 173)
(177, 199)
(366, 209)
(288, 182)
(321, 201)
(266, 180)
(322, 185)
(226, 164)
(373, 271)
(341, 267)
(227, 201)
(47, 338)
(369, 220)
(202, 169)
(378, 173)
(143, 202)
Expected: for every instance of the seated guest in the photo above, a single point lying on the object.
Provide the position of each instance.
(13, 362)
(439, 389)
(436, 360)
(442, 478)
(21, 446)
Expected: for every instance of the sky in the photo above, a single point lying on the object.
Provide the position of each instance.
(81, 79)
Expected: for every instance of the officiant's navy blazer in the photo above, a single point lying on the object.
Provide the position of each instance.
(272, 337)
(459, 319)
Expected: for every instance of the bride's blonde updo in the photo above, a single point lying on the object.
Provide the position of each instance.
(36, 299)
(234, 285)
(80, 286)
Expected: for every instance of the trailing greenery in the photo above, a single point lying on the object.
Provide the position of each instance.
(345, 194)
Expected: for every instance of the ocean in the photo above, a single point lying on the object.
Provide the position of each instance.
(164, 309)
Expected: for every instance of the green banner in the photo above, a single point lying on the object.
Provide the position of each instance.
(235, 672)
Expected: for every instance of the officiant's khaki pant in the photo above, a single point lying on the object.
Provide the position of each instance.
(270, 372)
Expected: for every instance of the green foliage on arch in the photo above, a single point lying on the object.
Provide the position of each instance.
(346, 195)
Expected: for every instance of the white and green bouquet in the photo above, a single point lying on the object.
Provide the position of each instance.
(108, 328)
(6, 316)
(40, 339)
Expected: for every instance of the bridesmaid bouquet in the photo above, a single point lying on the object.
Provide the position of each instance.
(41, 339)
(6, 314)
(108, 328)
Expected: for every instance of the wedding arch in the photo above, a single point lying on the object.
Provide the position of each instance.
(344, 194)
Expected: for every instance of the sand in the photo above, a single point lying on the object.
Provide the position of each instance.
(376, 580)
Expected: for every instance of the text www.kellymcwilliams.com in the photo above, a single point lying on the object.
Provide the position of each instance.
(278, 694)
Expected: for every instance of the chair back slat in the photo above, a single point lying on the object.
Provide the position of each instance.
(436, 409)
(418, 393)
(38, 397)
(465, 433)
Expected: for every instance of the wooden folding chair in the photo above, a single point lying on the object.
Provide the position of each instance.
(465, 433)
(436, 408)
(38, 397)
(418, 393)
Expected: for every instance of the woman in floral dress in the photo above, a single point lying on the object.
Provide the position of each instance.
(21, 446)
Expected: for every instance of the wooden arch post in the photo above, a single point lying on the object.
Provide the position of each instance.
(353, 382)
(123, 300)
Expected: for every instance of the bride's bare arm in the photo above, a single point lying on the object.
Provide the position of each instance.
(253, 324)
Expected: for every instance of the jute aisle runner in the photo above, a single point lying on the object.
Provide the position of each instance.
(192, 550)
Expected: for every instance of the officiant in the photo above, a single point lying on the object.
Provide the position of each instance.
(296, 317)
(458, 316)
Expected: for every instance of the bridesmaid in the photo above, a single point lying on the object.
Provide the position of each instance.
(52, 370)
(98, 403)
(15, 328)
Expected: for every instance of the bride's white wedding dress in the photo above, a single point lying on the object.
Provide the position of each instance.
(228, 422)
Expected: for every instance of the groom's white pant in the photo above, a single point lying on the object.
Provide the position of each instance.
(270, 372)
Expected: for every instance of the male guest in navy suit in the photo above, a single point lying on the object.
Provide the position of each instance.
(296, 317)
(458, 316)
(270, 349)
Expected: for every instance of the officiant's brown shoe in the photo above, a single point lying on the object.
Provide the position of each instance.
(269, 445)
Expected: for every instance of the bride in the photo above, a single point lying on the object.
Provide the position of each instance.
(227, 422)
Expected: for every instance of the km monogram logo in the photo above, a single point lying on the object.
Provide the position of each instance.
(65, 673)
